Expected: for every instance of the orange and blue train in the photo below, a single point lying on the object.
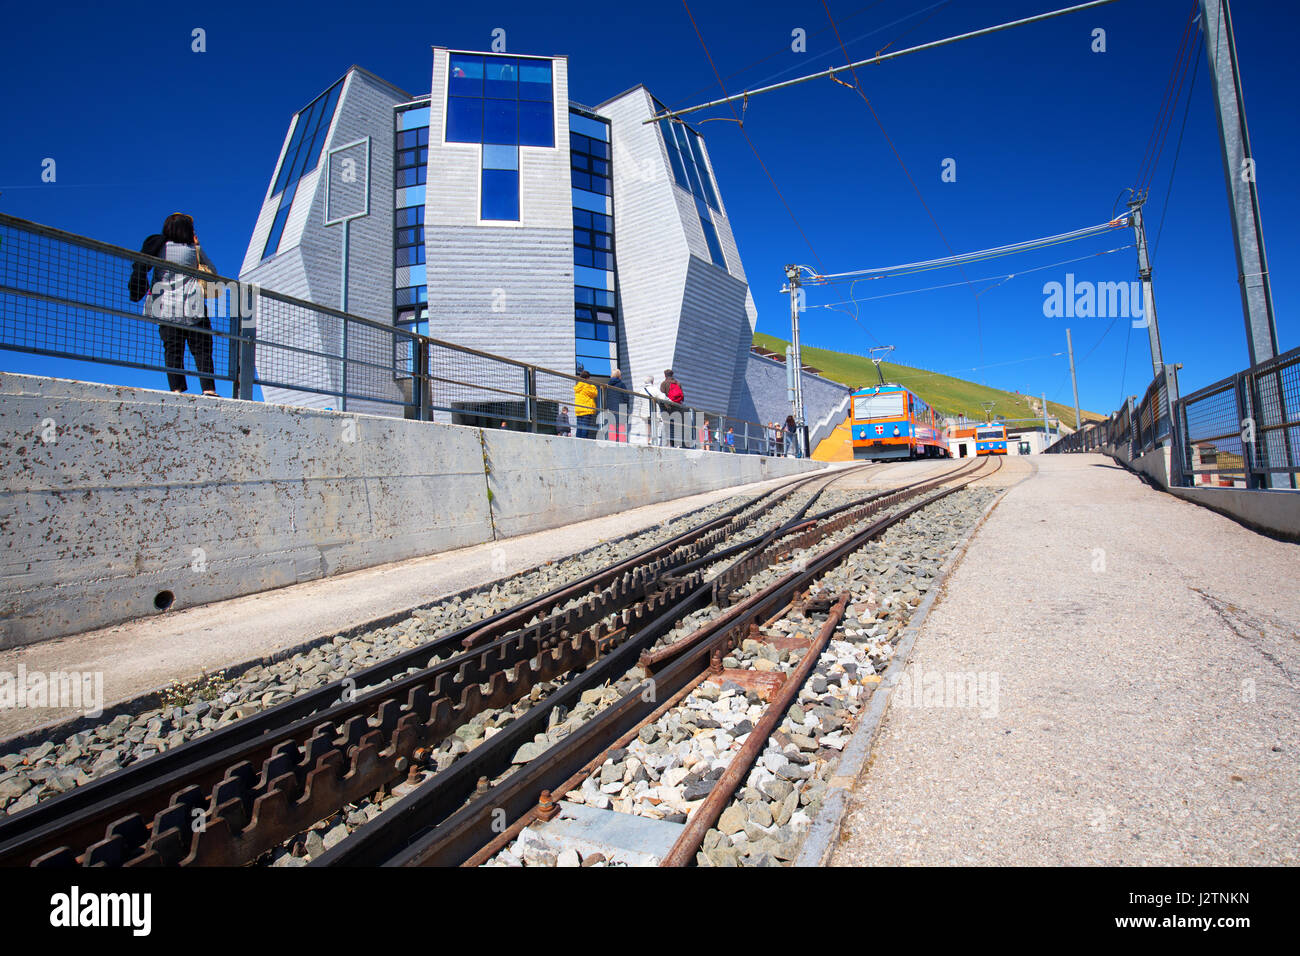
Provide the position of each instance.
(991, 439)
(891, 422)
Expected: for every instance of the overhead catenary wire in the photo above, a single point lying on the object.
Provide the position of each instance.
(880, 58)
(857, 85)
(1187, 55)
(980, 255)
(770, 178)
(951, 285)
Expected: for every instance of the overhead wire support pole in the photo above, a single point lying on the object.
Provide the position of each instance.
(796, 360)
(880, 58)
(1069, 345)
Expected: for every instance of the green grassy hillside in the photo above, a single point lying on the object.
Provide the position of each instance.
(952, 396)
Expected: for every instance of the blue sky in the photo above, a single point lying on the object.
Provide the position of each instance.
(1045, 134)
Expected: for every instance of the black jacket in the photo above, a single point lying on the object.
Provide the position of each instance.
(138, 285)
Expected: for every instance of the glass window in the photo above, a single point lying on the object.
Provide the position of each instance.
(500, 157)
(582, 217)
(501, 122)
(466, 75)
(881, 405)
(605, 332)
(711, 239)
(464, 120)
(413, 119)
(500, 199)
(697, 151)
(582, 313)
(596, 365)
(536, 123)
(413, 176)
(582, 181)
(410, 216)
(587, 126)
(409, 256)
(585, 330)
(501, 78)
(277, 226)
(535, 80)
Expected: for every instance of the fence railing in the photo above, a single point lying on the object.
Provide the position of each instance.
(1242, 431)
(68, 296)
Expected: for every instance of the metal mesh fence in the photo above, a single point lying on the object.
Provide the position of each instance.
(67, 296)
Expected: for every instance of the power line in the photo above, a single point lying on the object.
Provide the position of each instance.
(753, 148)
(979, 330)
(785, 49)
(1004, 277)
(1177, 152)
(995, 252)
(934, 44)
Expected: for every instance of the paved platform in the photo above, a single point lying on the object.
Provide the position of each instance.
(1137, 672)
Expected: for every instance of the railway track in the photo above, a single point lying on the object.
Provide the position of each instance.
(328, 745)
(436, 825)
(230, 796)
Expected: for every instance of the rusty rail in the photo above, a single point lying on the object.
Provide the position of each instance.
(707, 813)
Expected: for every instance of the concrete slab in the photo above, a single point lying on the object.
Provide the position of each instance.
(142, 656)
(1145, 662)
(118, 502)
(626, 838)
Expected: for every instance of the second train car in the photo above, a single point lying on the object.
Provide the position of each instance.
(991, 439)
(891, 422)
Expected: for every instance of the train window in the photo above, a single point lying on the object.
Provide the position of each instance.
(881, 405)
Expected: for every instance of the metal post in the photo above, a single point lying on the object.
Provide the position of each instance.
(1238, 169)
(530, 397)
(343, 307)
(1047, 433)
(423, 402)
(801, 437)
(1247, 230)
(1148, 292)
(247, 351)
(1069, 344)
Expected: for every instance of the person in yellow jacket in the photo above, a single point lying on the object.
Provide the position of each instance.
(584, 405)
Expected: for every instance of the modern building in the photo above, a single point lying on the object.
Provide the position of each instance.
(504, 217)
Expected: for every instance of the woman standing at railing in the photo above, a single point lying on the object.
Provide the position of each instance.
(179, 301)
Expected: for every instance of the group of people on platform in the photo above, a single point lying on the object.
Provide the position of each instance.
(668, 400)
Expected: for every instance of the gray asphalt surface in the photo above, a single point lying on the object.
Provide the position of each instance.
(1136, 669)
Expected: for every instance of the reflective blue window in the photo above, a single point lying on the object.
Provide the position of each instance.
(501, 122)
(711, 238)
(697, 151)
(536, 123)
(587, 126)
(500, 157)
(311, 127)
(466, 75)
(413, 119)
(277, 225)
(535, 80)
(500, 198)
(464, 120)
(501, 78)
(595, 364)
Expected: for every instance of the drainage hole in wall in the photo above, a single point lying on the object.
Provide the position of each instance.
(163, 600)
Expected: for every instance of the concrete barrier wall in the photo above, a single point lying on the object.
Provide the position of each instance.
(118, 499)
(1275, 513)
